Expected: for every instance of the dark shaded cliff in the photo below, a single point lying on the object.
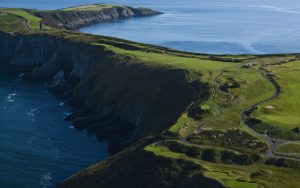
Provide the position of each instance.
(114, 96)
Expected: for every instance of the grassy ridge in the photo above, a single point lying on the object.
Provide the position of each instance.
(205, 68)
(94, 7)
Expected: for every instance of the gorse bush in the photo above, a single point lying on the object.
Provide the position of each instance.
(212, 154)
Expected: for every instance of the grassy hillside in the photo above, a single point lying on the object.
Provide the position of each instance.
(31, 21)
(10, 22)
(282, 113)
(199, 120)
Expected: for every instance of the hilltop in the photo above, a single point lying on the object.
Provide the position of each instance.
(173, 119)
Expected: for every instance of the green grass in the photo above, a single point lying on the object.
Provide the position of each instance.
(9, 22)
(239, 184)
(94, 7)
(33, 21)
(229, 180)
(162, 151)
(205, 68)
(229, 106)
(181, 122)
(289, 149)
(184, 126)
(285, 110)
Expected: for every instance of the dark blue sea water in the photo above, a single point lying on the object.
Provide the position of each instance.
(37, 147)
(207, 26)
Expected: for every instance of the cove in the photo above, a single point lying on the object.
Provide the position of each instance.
(38, 148)
(215, 26)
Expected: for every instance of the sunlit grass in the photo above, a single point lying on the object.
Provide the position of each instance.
(283, 112)
(94, 7)
(33, 21)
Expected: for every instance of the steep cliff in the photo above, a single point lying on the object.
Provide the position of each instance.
(74, 18)
(120, 97)
(96, 83)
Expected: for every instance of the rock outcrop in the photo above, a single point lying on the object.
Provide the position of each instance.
(78, 18)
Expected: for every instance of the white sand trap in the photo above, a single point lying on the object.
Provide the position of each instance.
(270, 107)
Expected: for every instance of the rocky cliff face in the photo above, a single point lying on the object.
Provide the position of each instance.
(48, 55)
(113, 96)
(78, 18)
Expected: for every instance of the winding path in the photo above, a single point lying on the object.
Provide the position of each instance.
(246, 115)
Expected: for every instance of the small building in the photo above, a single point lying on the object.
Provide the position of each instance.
(248, 65)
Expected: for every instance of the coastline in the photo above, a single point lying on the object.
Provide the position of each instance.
(115, 87)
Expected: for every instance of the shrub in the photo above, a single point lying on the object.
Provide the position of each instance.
(284, 162)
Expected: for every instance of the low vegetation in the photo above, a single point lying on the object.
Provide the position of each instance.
(289, 149)
(232, 138)
(284, 162)
(211, 154)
